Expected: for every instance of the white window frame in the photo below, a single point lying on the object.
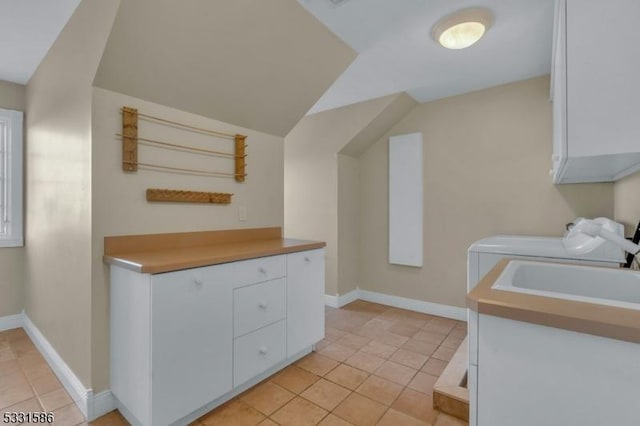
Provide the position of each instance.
(11, 146)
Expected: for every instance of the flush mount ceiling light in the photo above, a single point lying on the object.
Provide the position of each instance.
(462, 28)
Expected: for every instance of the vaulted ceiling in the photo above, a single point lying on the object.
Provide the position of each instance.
(396, 52)
(257, 64)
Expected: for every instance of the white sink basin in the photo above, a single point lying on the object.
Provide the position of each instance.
(604, 286)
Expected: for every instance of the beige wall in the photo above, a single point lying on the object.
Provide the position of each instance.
(119, 205)
(311, 176)
(257, 64)
(486, 161)
(627, 202)
(348, 227)
(58, 185)
(12, 96)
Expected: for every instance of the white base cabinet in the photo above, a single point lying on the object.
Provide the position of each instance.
(530, 375)
(184, 340)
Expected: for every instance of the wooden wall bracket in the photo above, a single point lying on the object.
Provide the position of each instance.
(129, 139)
(180, 196)
(130, 145)
(240, 157)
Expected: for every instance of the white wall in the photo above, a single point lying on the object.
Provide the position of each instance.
(12, 96)
(119, 206)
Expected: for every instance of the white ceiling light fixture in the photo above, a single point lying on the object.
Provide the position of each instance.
(462, 28)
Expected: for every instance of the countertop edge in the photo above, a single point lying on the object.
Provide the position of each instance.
(124, 260)
(598, 320)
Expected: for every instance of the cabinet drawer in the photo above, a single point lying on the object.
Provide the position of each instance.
(259, 270)
(257, 305)
(256, 352)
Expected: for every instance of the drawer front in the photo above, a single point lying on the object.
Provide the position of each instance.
(257, 305)
(256, 352)
(258, 270)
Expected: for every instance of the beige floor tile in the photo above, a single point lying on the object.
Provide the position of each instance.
(367, 307)
(325, 394)
(8, 367)
(333, 420)
(337, 352)
(364, 361)
(423, 382)
(22, 347)
(347, 376)
(56, 399)
(267, 422)
(379, 349)
(267, 397)
(333, 333)
(459, 332)
(447, 420)
(434, 366)
(68, 415)
(235, 412)
(395, 372)
(402, 329)
(35, 370)
(321, 345)
(380, 390)
(444, 354)
(299, 412)
(26, 406)
(114, 418)
(360, 410)
(430, 337)
(409, 358)
(14, 388)
(353, 341)
(31, 360)
(379, 323)
(452, 342)
(15, 334)
(294, 379)
(7, 354)
(416, 404)
(45, 383)
(317, 364)
(397, 418)
(438, 327)
(420, 347)
(392, 339)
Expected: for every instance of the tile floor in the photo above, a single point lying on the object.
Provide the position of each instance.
(376, 366)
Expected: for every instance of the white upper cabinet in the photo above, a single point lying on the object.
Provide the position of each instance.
(595, 90)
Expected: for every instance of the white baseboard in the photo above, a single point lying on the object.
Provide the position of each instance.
(10, 322)
(103, 403)
(430, 308)
(341, 300)
(92, 406)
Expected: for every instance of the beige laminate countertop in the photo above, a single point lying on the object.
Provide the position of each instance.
(159, 253)
(599, 320)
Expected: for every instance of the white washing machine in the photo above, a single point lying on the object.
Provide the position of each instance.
(573, 247)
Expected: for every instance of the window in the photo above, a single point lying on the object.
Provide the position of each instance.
(10, 178)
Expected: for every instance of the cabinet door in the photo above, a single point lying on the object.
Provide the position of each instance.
(559, 95)
(191, 340)
(305, 299)
(603, 68)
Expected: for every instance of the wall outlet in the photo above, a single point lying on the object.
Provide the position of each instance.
(242, 213)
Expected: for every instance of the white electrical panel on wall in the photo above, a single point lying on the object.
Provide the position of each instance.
(405, 199)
